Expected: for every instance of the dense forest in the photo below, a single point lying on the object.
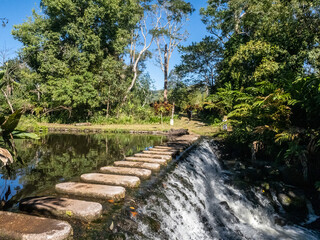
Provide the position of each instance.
(258, 67)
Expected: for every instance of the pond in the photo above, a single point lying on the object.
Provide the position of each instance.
(63, 157)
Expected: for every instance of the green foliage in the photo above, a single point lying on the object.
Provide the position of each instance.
(268, 77)
(73, 50)
(199, 62)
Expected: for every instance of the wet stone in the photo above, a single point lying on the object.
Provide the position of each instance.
(163, 150)
(139, 172)
(149, 160)
(21, 226)
(92, 190)
(151, 166)
(62, 207)
(145, 155)
(158, 152)
(125, 181)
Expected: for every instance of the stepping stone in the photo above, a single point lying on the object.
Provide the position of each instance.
(139, 172)
(169, 148)
(163, 150)
(21, 226)
(125, 181)
(163, 147)
(92, 190)
(145, 155)
(62, 207)
(149, 160)
(151, 166)
(158, 152)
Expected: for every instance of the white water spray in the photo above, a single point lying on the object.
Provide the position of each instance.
(195, 203)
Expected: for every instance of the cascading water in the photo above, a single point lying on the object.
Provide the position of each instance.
(196, 203)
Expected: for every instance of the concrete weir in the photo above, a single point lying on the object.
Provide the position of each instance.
(62, 207)
(145, 155)
(146, 165)
(149, 160)
(139, 172)
(91, 190)
(109, 179)
(21, 226)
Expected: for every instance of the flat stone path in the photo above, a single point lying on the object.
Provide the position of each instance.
(145, 155)
(146, 159)
(139, 172)
(109, 179)
(156, 149)
(108, 185)
(62, 207)
(21, 226)
(146, 165)
(92, 190)
(158, 152)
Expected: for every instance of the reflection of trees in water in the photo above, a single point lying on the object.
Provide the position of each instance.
(61, 157)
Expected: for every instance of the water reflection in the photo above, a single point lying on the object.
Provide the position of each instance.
(61, 157)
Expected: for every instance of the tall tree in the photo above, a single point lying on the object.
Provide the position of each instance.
(199, 62)
(72, 44)
(170, 32)
(270, 62)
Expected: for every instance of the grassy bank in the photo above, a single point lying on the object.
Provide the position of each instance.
(194, 126)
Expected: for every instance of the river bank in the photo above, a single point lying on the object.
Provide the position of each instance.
(194, 126)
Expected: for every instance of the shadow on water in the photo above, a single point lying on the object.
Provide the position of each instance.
(62, 157)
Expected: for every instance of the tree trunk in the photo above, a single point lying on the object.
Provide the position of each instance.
(108, 104)
(8, 101)
(165, 92)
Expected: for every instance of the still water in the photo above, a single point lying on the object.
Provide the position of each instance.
(63, 157)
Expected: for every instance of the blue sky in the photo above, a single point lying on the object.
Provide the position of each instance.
(17, 11)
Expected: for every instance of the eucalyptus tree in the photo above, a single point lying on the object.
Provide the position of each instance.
(170, 31)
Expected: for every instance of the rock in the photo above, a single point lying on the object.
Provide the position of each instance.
(62, 207)
(91, 190)
(125, 181)
(5, 156)
(139, 172)
(155, 225)
(149, 160)
(145, 155)
(151, 166)
(279, 221)
(21, 226)
(178, 132)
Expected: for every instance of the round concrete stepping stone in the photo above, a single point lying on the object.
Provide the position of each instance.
(149, 160)
(63, 207)
(92, 190)
(121, 180)
(158, 152)
(145, 155)
(21, 226)
(151, 166)
(139, 172)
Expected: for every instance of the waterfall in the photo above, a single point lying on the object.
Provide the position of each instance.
(197, 203)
